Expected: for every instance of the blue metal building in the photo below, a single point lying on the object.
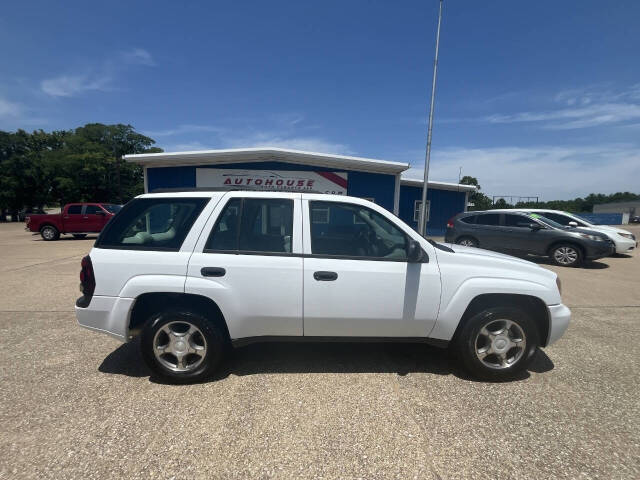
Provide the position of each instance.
(271, 168)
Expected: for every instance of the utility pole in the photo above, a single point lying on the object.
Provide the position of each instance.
(422, 225)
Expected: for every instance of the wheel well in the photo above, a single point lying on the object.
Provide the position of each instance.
(149, 303)
(47, 225)
(530, 304)
(555, 244)
(467, 236)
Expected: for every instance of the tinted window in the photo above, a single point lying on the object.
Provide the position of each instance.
(488, 219)
(371, 235)
(254, 225)
(516, 221)
(152, 223)
(74, 210)
(469, 219)
(112, 208)
(92, 210)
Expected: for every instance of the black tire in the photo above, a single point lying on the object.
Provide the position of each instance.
(467, 242)
(79, 235)
(215, 343)
(49, 233)
(566, 255)
(470, 341)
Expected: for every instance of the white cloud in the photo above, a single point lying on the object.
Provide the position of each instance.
(9, 109)
(95, 77)
(275, 139)
(547, 171)
(139, 56)
(184, 129)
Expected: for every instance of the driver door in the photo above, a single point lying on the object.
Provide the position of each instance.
(357, 281)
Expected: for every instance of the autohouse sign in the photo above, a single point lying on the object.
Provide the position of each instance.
(325, 182)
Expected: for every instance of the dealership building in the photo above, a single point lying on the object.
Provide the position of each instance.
(380, 181)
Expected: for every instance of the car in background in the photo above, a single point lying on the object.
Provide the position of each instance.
(624, 240)
(528, 233)
(77, 219)
(635, 219)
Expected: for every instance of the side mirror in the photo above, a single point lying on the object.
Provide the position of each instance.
(573, 224)
(415, 254)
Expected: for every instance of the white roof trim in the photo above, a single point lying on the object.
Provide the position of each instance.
(240, 155)
(458, 187)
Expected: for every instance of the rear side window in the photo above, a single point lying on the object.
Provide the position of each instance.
(469, 219)
(152, 224)
(253, 225)
(488, 219)
(74, 210)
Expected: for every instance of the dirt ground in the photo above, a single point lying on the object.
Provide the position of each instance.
(76, 404)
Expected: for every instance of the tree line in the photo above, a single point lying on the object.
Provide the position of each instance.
(85, 164)
(482, 202)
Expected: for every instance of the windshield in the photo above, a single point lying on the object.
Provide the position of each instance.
(112, 208)
(579, 218)
(545, 220)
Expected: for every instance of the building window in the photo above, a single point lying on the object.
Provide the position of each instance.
(417, 209)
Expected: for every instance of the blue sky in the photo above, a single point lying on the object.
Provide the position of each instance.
(534, 98)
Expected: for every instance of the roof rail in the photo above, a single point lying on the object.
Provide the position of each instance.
(231, 189)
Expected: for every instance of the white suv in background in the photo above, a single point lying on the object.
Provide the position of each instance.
(624, 240)
(197, 272)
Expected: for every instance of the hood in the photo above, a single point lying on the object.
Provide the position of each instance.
(588, 231)
(608, 229)
(489, 254)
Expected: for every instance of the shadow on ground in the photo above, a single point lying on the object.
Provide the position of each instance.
(277, 357)
(587, 264)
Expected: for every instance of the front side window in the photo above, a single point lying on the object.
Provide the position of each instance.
(253, 225)
(371, 236)
(515, 221)
(92, 210)
(152, 224)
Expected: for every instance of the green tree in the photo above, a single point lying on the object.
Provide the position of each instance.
(479, 200)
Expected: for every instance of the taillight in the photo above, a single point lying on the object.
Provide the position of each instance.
(87, 278)
(450, 222)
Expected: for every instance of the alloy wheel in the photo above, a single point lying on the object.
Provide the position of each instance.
(179, 346)
(500, 344)
(565, 255)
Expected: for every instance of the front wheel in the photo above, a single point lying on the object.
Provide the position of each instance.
(566, 255)
(49, 232)
(182, 346)
(497, 343)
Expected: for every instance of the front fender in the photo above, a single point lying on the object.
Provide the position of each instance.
(455, 302)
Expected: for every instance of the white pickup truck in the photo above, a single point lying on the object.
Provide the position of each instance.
(197, 272)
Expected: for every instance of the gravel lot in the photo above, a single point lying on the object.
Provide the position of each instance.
(76, 404)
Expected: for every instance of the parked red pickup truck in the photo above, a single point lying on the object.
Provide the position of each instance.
(77, 219)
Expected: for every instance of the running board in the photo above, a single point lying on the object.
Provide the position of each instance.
(435, 342)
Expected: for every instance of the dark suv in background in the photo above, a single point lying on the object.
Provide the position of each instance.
(522, 233)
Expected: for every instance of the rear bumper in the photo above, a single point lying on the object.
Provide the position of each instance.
(559, 317)
(108, 315)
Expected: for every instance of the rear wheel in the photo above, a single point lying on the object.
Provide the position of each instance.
(49, 232)
(566, 255)
(467, 242)
(79, 235)
(497, 343)
(182, 346)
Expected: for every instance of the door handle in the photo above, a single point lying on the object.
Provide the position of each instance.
(325, 276)
(212, 272)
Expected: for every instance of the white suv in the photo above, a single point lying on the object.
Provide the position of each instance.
(197, 272)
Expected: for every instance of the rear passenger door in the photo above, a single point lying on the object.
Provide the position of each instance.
(72, 220)
(488, 231)
(249, 261)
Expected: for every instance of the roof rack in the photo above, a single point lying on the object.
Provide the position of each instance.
(231, 189)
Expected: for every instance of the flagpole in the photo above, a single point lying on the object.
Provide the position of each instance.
(423, 214)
